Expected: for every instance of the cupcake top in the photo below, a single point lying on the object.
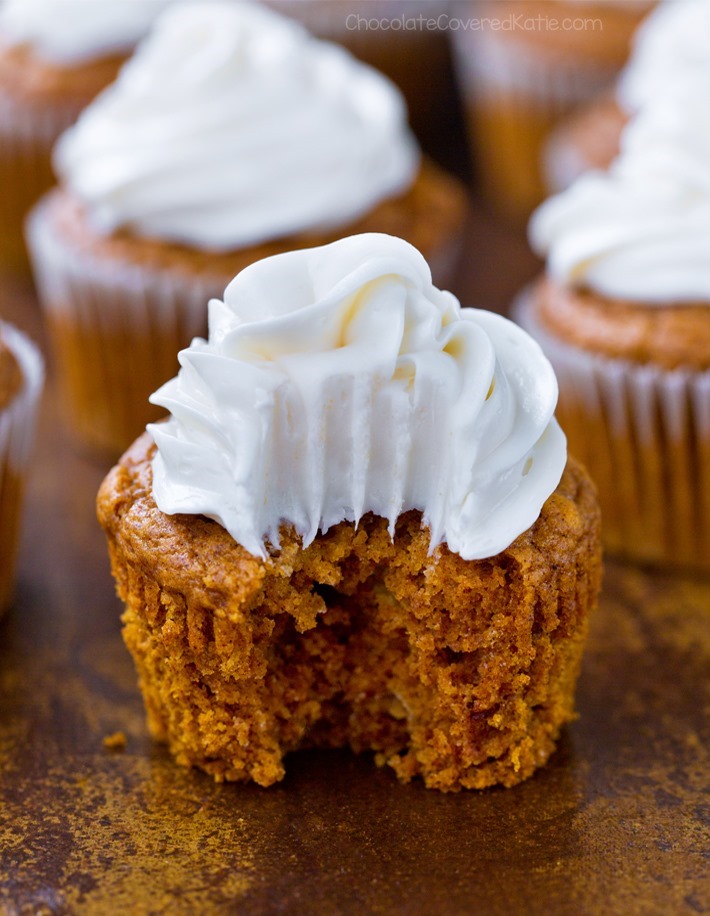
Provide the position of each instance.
(74, 31)
(669, 46)
(231, 126)
(338, 381)
(641, 231)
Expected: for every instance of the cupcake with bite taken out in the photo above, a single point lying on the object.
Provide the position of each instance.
(55, 57)
(670, 46)
(624, 316)
(232, 134)
(359, 527)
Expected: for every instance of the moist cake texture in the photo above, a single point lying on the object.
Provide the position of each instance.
(460, 672)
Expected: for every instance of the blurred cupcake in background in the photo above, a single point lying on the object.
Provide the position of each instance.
(232, 134)
(21, 377)
(671, 44)
(404, 39)
(624, 316)
(524, 66)
(55, 56)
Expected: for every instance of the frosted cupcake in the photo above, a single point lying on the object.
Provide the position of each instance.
(55, 56)
(21, 376)
(359, 527)
(624, 316)
(232, 134)
(522, 70)
(670, 46)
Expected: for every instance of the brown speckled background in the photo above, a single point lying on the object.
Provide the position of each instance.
(617, 823)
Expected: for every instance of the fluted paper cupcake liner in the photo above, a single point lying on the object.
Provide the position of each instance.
(27, 136)
(513, 97)
(115, 331)
(17, 425)
(644, 434)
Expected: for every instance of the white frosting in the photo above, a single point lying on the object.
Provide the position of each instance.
(230, 126)
(338, 381)
(672, 42)
(641, 231)
(73, 31)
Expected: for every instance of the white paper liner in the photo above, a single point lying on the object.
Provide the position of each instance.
(17, 427)
(115, 330)
(488, 64)
(644, 434)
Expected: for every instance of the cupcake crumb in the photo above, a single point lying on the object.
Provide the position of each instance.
(115, 742)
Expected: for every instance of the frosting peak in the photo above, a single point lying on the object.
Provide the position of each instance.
(338, 381)
(231, 126)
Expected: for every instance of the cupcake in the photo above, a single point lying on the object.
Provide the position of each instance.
(55, 56)
(232, 134)
(522, 68)
(624, 316)
(404, 39)
(21, 376)
(359, 527)
(671, 45)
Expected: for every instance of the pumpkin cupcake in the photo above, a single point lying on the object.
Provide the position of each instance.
(55, 57)
(670, 46)
(302, 562)
(231, 134)
(624, 315)
(523, 66)
(21, 376)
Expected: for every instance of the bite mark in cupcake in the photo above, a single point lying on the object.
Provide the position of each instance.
(359, 528)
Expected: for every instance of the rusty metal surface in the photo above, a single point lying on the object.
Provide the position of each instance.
(614, 824)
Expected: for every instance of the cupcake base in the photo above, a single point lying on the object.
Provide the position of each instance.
(461, 673)
(644, 432)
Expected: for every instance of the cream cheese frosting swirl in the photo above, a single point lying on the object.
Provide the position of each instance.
(640, 231)
(74, 31)
(338, 381)
(669, 46)
(230, 126)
